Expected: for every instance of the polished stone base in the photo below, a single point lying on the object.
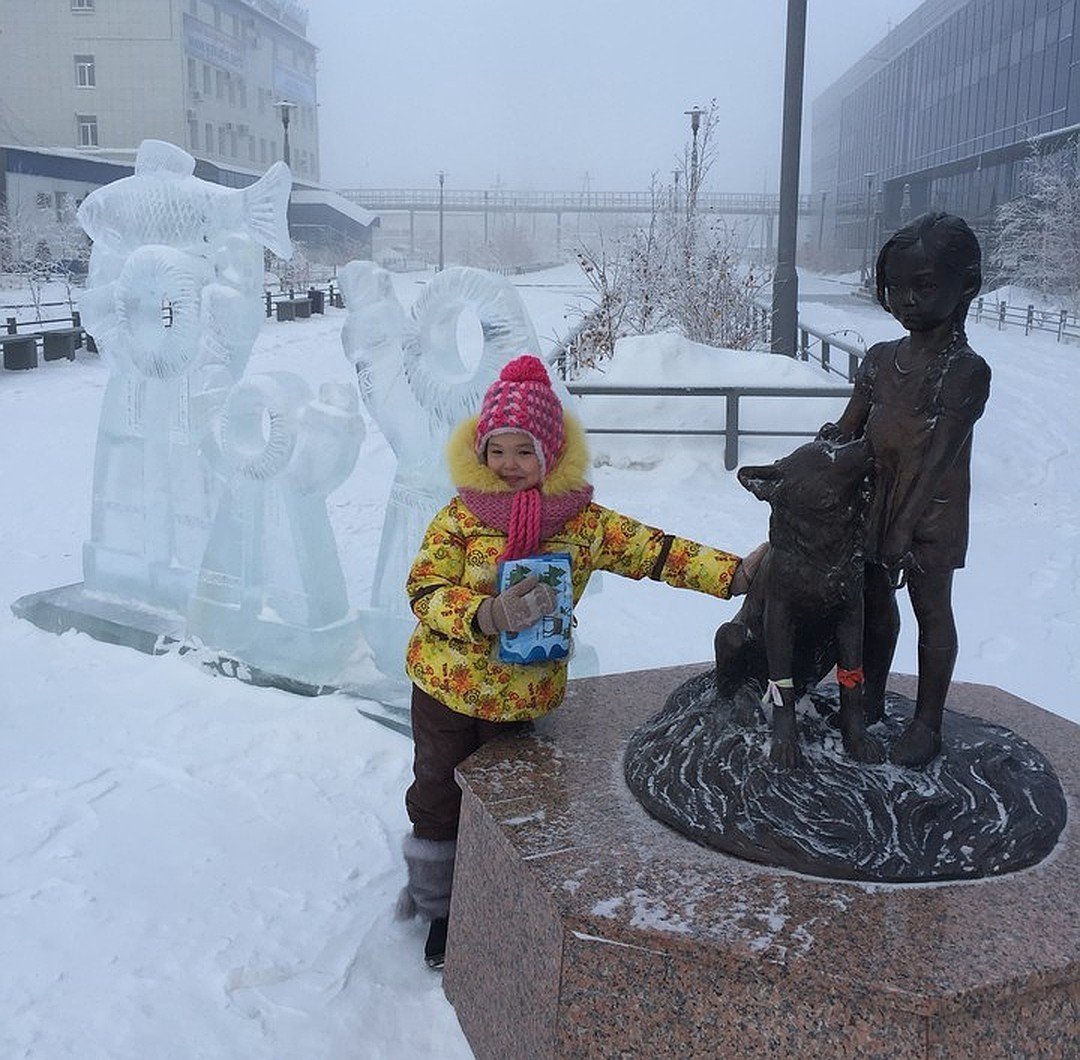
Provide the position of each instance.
(581, 926)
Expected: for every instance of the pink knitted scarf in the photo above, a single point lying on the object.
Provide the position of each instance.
(527, 517)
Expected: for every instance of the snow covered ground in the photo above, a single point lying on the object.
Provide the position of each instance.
(191, 867)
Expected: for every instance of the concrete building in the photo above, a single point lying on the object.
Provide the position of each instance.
(103, 75)
(83, 82)
(941, 114)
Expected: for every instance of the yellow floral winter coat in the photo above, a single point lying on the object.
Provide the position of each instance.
(450, 659)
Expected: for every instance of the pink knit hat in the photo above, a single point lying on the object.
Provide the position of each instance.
(521, 399)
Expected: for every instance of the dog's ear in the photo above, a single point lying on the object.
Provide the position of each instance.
(762, 482)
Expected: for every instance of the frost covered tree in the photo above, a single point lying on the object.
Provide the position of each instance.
(1038, 232)
(38, 245)
(682, 271)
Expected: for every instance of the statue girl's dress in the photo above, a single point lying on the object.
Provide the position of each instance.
(916, 400)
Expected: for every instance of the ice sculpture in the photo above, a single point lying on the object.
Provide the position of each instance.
(415, 384)
(173, 304)
(271, 588)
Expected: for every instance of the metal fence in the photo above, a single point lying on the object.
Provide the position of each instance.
(1061, 323)
(835, 354)
(731, 431)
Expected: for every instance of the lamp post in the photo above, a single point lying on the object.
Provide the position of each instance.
(867, 238)
(285, 106)
(442, 179)
(785, 295)
(695, 122)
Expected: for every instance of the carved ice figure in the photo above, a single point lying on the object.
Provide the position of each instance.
(271, 589)
(416, 385)
(164, 203)
(173, 304)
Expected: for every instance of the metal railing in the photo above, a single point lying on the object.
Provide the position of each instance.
(820, 347)
(506, 201)
(1061, 323)
(731, 431)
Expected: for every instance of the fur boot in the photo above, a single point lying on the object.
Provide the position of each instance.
(430, 863)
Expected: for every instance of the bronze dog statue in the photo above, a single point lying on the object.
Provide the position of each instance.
(804, 610)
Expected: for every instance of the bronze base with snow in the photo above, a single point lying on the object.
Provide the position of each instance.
(582, 926)
(989, 804)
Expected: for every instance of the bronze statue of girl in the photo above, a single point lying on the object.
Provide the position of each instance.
(916, 400)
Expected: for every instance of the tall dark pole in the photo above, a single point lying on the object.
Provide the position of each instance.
(867, 236)
(695, 122)
(785, 300)
(442, 178)
(285, 106)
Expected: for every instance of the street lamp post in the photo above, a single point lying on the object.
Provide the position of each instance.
(285, 106)
(785, 296)
(442, 179)
(695, 122)
(868, 234)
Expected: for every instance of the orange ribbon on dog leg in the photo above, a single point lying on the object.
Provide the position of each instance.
(850, 678)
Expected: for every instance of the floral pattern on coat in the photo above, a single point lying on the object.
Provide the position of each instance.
(450, 659)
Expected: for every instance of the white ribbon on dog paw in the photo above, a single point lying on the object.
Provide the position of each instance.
(773, 693)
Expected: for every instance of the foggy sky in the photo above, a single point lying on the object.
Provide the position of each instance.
(537, 95)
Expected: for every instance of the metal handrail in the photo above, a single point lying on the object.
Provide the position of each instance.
(501, 200)
(732, 395)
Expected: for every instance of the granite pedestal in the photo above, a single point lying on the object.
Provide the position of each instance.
(581, 926)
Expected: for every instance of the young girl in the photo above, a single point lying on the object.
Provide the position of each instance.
(917, 399)
(520, 469)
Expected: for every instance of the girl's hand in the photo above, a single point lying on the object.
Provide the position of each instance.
(747, 568)
(516, 608)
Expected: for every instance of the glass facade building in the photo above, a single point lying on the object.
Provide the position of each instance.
(941, 114)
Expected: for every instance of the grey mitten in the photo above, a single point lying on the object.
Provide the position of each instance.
(516, 608)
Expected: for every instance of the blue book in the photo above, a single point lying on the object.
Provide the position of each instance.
(549, 638)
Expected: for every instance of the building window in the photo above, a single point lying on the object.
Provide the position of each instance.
(262, 151)
(221, 75)
(209, 141)
(192, 75)
(206, 81)
(84, 71)
(221, 140)
(88, 130)
(44, 200)
(193, 134)
(82, 5)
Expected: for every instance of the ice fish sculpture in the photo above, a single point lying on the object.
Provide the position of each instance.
(164, 203)
(173, 302)
(415, 384)
(271, 589)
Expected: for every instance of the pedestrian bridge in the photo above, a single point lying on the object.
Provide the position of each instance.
(503, 200)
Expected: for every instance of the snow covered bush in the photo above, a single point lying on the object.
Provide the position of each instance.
(681, 271)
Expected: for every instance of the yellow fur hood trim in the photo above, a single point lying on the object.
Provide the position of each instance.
(466, 470)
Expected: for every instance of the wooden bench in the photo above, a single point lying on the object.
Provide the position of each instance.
(293, 309)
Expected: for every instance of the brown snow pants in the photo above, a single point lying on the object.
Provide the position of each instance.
(442, 740)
